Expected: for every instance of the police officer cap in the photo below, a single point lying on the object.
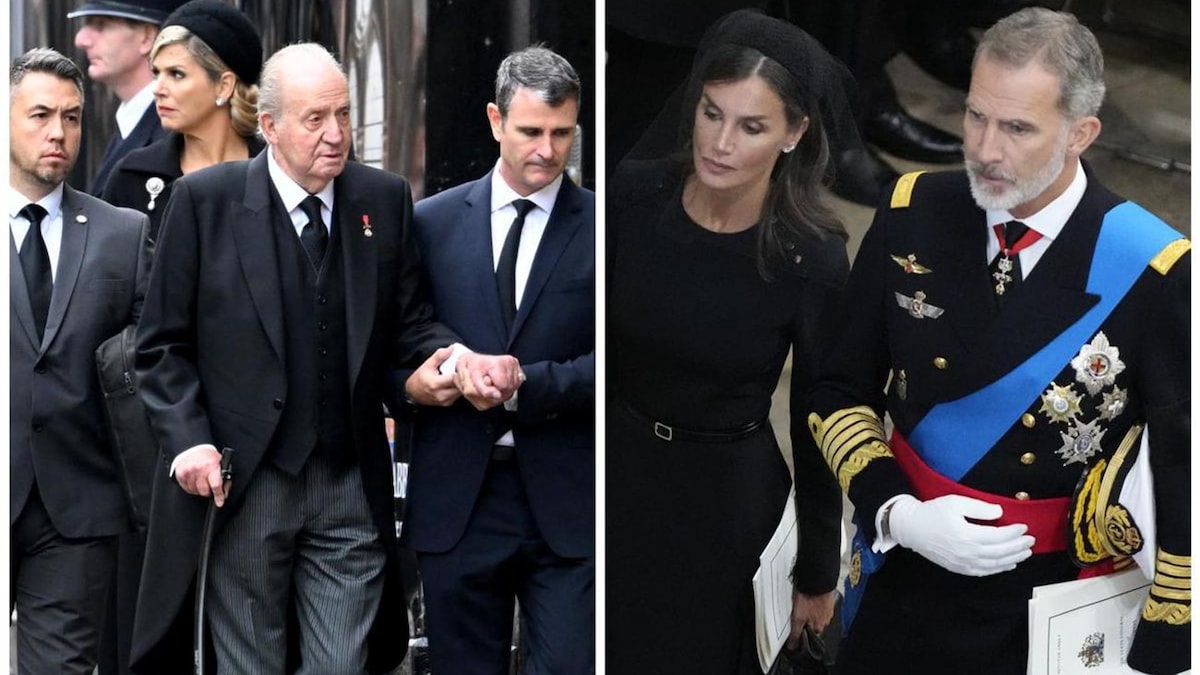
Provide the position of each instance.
(147, 11)
(227, 31)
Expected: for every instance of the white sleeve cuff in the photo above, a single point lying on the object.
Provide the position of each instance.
(175, 462)
(451, 364)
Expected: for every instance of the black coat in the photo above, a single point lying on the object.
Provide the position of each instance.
(126, 184)
(215, 288)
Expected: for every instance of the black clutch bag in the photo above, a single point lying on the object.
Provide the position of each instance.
(135, 449)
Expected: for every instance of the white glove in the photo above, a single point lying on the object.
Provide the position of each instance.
(938, 529)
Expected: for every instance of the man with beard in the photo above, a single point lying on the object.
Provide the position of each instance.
(1021, 325)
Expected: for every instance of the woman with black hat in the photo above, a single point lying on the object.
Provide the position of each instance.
(206, 59)
(721, 259)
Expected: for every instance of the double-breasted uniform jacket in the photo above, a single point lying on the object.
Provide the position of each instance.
(920, 311)
(57, 432)
(130, 185)
(212, 369)
(553, 336)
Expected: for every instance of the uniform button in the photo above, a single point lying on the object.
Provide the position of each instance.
(39, 369)
(322, 351)
(1028, 420)
(1028, 458)
(39, 427)
(940, 363)
(321, 403)
(321, 325)
(278, 403)
(324, 376)
(322, 299)
(1022, 496)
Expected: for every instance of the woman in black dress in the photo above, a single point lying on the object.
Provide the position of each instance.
(720, 261)
(206, 59)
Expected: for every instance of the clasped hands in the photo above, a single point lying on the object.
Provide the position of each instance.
(942, 530)
(485, 380)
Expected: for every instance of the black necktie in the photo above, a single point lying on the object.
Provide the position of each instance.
(35, 262)
(1006, 276)
(506, 269)
(314, 236)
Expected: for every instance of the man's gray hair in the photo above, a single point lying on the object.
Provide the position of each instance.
(45, 60)
(1061, 44)
(540, 70)
(270, 98)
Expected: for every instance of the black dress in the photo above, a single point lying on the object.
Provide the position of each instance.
(697, 339)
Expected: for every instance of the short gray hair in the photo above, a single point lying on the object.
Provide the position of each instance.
(45, 60)
(540, 70)
(1057, 41)
(270, 98)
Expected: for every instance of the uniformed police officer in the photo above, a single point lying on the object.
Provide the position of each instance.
(1021, 325)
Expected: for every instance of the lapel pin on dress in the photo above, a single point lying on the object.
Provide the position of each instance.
(367, 232)
(154, 186)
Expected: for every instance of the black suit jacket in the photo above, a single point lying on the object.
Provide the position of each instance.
(148, 130)
(212, 368)
(553, 336)
(57, 431)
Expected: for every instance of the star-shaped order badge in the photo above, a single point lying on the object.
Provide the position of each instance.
(1114, 403)
(1081, 442)
(1097, 364)
(1060, 404)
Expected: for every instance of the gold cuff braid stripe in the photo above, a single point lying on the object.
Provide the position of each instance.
(1171, 594)
(1173, 570)
(1171, 613)
(850, 445)
(1172, 582)
(1163, 556)
(864, 455)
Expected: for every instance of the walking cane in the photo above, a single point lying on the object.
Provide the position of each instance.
(202, 572)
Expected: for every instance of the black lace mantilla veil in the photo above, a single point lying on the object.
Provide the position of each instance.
(820, 75)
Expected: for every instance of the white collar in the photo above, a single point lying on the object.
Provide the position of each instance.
(51, 202)
(503, 195)
(130, 112)
(289, 190)
(1049, 221)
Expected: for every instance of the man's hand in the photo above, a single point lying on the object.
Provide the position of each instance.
(940, 531)
(814, 611)
(198, 472)
(428, 386)
(488, 380)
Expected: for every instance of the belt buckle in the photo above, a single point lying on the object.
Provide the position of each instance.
(663, 431)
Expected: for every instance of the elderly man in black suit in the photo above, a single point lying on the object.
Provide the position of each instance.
(77, 273)
(284, 288)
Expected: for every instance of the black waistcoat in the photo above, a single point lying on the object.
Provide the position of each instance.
(316, 413)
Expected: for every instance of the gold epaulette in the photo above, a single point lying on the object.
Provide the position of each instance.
(902, 193)
(1170, 598)
(850, 439)
(1171, 253)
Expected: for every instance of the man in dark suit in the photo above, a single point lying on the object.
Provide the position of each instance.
(501, 498)
(285, 288)
(77, 274)
(116, 37)
(1017, 387)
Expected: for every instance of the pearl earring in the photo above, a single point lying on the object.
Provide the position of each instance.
(788, 148)
(220, 101)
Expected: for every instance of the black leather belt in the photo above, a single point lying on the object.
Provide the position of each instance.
(671, 433)
(503, 453)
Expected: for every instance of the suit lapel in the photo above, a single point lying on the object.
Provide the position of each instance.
(75, 230)
(19, 292)
(360, 260)
(560, 230)
(256, 250)
(477, 250)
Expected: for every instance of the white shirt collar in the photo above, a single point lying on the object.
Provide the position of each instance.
(130, 112)
(1049, 221)
(51, 202)
(290, 191)
(503, 195)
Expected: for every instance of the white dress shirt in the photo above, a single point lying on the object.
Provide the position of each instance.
(52, 224)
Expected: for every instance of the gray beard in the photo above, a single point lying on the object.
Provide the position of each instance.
(1021, 191)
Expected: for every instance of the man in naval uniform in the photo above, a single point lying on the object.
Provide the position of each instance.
(1020, 324)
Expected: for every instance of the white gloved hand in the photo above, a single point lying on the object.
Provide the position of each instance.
(938, 529)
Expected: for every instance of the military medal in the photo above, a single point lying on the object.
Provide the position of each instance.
(917, 306)
(154, 186)
(902, 385)
(367, 232)
(1113, 404)
(1060, 404)
(1097, 364)
(1080, 443)
(910, 264)
(1003, 275)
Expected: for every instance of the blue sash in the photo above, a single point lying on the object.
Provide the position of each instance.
(953, 436)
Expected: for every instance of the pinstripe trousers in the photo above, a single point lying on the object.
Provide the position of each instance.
(308, 540)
